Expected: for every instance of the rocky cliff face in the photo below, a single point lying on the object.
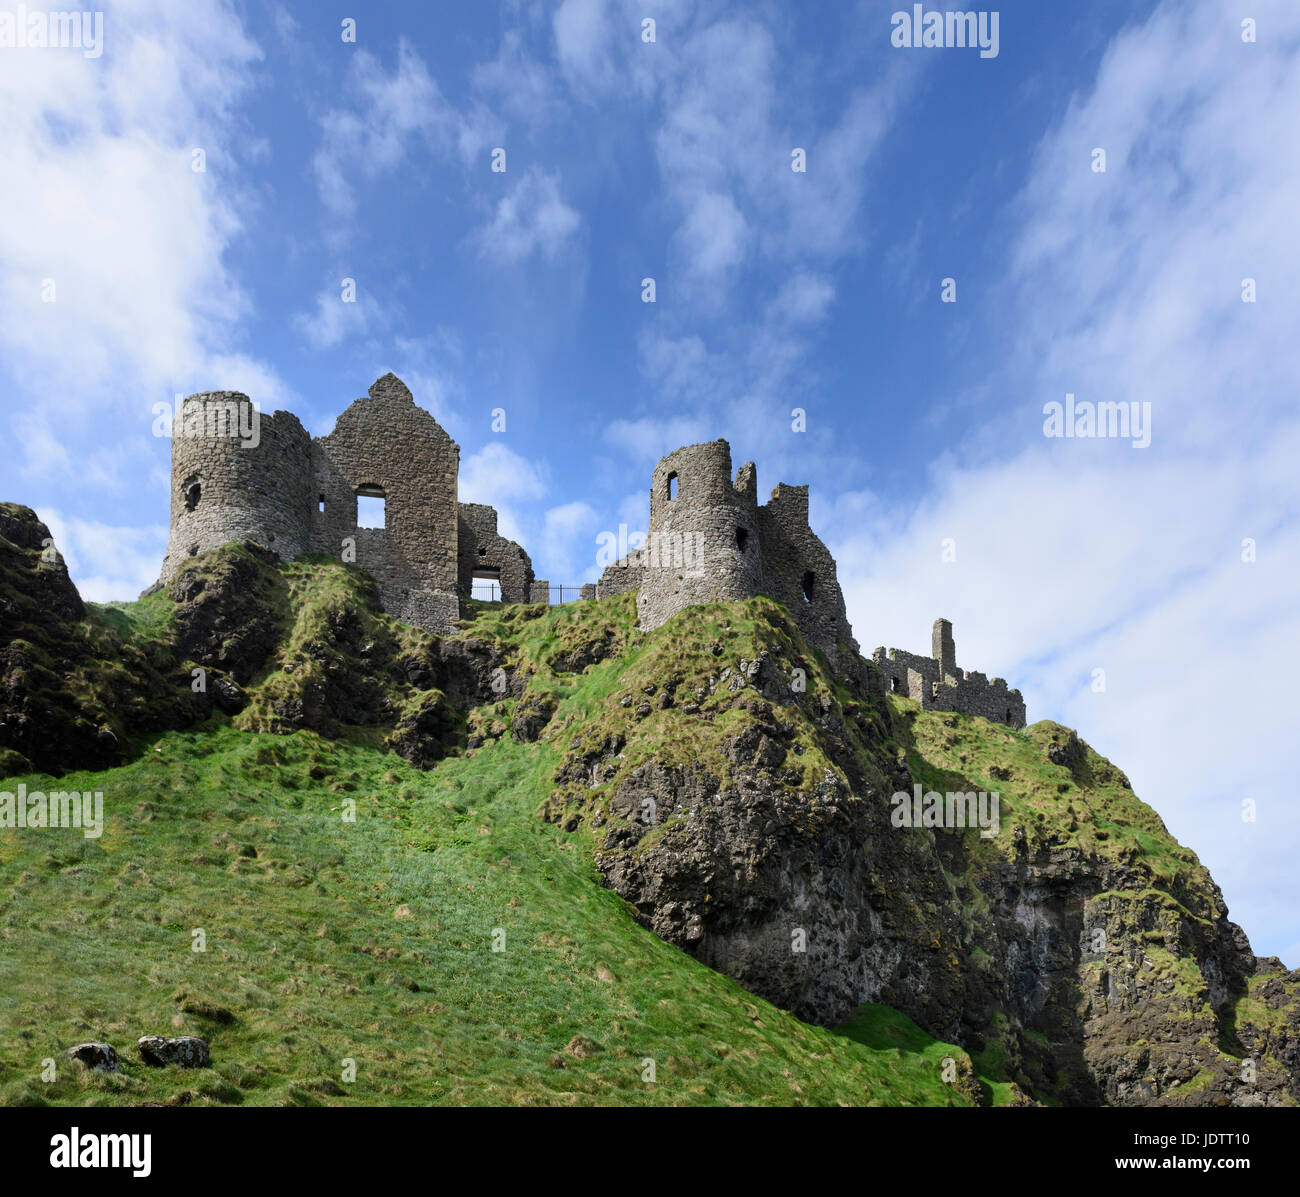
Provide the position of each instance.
(736, 791)
(275, 646)
(741, 794)
(73, 688)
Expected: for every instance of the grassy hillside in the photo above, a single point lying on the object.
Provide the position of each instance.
(373, 940)
(408, 853)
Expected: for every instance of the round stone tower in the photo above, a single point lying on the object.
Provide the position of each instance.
(237, 474)
(703, 543)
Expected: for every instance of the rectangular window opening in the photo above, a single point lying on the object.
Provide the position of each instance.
(370, 512)
(485, 585)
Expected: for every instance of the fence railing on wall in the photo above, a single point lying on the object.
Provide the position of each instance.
(490, 592)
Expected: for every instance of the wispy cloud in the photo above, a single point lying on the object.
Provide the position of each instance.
(1080, 555)
(532, 218)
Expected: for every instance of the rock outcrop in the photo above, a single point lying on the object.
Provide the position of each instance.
(1076, 948)
(181, 1051)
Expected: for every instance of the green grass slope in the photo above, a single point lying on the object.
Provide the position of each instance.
(372, 941)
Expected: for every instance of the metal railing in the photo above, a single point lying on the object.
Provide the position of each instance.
(490, 592)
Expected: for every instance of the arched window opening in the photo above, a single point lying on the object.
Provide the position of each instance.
(742, 538)
(809, 585)
(193, 490)
(482, 552)
(371, 511)
(895, 686)
(672, 485)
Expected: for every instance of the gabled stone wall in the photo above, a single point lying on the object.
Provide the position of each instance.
(294, 495)
(386, 445)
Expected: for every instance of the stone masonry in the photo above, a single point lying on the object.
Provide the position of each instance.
(240, 475)
(938, 685)
(486, 556)
(295, 495)
(709, 540)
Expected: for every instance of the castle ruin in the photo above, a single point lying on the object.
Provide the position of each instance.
(709, 539)
(938, 685)
(296, 494)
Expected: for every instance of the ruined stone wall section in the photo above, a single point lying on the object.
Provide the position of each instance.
(800, 573)
(975, 694)
(921, 679)
(225, 487)
(907, 674)
(944, 649)
(625, 574)
(710, 541)
(481, 547)
(386, 443)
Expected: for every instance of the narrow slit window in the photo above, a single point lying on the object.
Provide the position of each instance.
(672, 485)
(809, 586)
(742, 538)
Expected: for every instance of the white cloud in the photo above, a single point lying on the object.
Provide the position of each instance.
(131, 237)
(334, 319)
(496, 474)
(1075, 555)
(523, 88)
(647, 439)
(583, 31)
(803, 299)
(531, 218)
(390, 111)
(108, 562)
(564, 530)
(39, 449)
(714, 235)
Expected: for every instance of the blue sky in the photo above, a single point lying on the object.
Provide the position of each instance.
(521, 290)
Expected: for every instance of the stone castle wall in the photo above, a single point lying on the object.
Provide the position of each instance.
(295, 495)
(938, 685)
(226, 487)
(710, 541)
(386, 446)
(482, 548)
